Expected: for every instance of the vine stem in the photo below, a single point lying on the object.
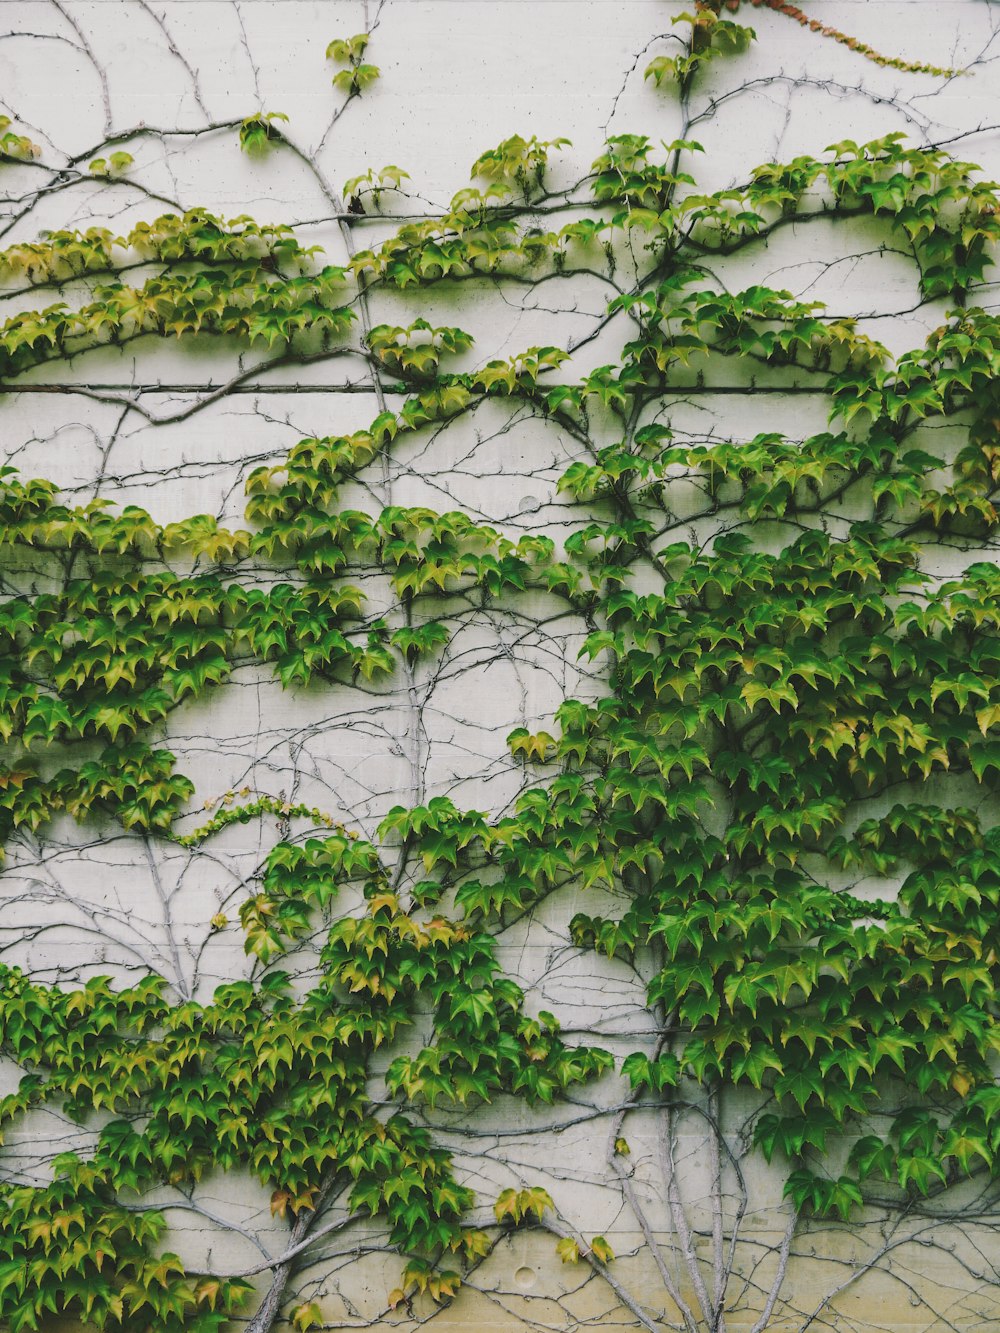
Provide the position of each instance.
(414, 715)
(779, 1277)
(681, 1224)
(719, 1274)
(627, 1299)
(268, 1310)
(628, 1189)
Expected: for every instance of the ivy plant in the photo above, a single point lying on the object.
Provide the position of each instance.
(769, 807)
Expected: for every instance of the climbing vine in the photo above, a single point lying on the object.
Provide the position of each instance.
(767, 801)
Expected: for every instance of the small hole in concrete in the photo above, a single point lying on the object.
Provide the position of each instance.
(529, 504)
(524, 1277)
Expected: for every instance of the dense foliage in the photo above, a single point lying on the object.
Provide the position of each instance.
(787, 697)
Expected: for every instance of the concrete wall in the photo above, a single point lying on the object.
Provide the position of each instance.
(147, 425)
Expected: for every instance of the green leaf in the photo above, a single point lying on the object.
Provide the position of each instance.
(568, 1250)
(601, 1250)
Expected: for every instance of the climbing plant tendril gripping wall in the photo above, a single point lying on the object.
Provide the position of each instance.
(781, 704)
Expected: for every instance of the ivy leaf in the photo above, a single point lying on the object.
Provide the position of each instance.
(919, 1171)
(568, 1250)
(601, 1250)
(478, 1005)
(754, 1064)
